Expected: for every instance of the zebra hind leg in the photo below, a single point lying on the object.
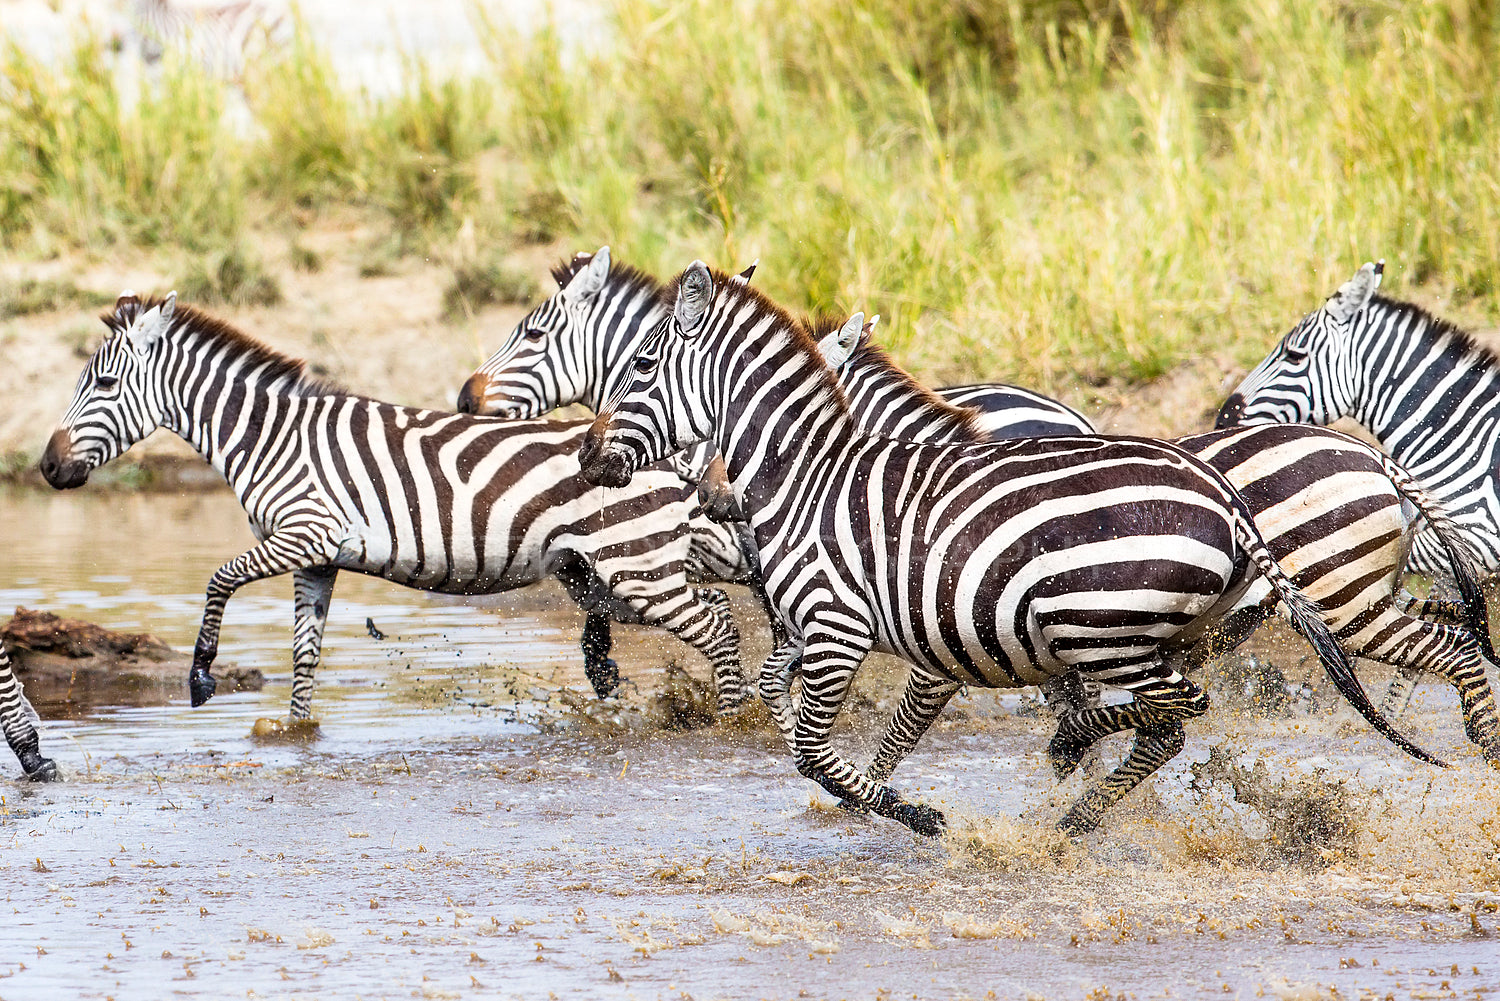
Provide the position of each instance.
(18, 720)
(600, 669)
(921, 703)
(1156, 715)
(312, 593)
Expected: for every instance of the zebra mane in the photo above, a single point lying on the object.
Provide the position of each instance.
(1435, 328)
(271, 363)
(958, 423)
(620, 273)
(731, 294)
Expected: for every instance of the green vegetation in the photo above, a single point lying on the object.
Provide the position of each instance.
(1062, 193)
(233, 276)
(485, 282)
(32, 295)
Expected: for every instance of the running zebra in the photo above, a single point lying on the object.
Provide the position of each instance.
(995, 565)
(576, 347)
(1330, 508)
(1427, 392)
(435, 501)
(19, 720)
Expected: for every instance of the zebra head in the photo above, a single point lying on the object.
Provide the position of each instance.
(1309, 378)
(114, 404)
(659, 410)
(541, 365)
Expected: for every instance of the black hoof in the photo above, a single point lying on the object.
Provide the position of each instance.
(604, 677)
(1075, 826)
(856, 808)
(41, 769)
(1065, 753)
(925, 820)
(201, 687)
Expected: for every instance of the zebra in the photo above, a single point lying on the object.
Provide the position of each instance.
(1420, 385)
(435, 501)
(221, 38)
(996, 565)
(1331, 508)
(19, 720)
(576, 347)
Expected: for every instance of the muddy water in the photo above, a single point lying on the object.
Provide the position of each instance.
(458, 831)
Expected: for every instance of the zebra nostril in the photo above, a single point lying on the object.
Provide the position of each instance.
(471, 394)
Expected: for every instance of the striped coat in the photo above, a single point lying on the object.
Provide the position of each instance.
(435, 501)
(996, 565)
(18, 720)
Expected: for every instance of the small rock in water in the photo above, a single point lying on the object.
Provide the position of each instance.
(290, 731)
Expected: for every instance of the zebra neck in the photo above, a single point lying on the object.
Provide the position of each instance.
(886, 403)
(624, 317)
(230, 420)
(774, 440)
(1420, 385)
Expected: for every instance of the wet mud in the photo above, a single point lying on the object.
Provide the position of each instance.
(469, 823)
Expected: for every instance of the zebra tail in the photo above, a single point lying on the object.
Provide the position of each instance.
(1306, 616)
(1465, 561)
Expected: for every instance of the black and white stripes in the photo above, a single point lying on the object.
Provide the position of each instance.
(1427, 392)
(994, 565)
(441, 502)
(19, 720)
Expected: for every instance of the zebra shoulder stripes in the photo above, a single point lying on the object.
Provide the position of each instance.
(1330, 507)
(1427, 392)
(19, 720)
(436, 501)
(997, 565)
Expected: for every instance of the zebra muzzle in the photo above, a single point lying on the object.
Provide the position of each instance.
(59, 469)
(600, 464)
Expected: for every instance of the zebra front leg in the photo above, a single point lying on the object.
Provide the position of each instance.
(312, 595)
(1161, 704)
(276, 555)
(922, 702)
(1448, 651)
(17, 719)
(828, 667)
(775, 686)
(599, 668)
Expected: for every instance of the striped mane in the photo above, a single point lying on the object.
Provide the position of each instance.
(620, 274)
(272, 364)
(957, 423)
(1461, 343)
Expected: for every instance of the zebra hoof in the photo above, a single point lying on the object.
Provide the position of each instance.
(1065, 752)
(854, 807)
(201, 686)
(1075, 824)
(41, 770)
(604, 677)
(925, 820)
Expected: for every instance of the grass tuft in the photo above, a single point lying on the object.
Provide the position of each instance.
(232, 277)
(487, 282)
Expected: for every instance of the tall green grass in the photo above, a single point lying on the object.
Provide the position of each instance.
(1063, 192)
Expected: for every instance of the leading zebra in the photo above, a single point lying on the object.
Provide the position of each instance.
(994, 565)
(436, 501)
(18, 720)
(1427, 392)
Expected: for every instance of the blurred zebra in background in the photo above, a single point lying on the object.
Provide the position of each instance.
(222, 38)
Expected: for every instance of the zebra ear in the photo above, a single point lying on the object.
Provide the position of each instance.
(694, 293)
(839, 345)
(589, 280)
(150, 326)
(1345, 304)
(743, 278)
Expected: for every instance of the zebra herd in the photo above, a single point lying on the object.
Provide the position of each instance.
(985, 534)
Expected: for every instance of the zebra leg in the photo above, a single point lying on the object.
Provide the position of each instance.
(828, 666)
(280, 553)
(1414, 646)
(601, 670)
(775, 685)
(1163, 699)
(16, 719)
(312, 594)
(755, 580)
(922, 701)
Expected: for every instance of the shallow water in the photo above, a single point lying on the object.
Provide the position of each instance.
(457, 831)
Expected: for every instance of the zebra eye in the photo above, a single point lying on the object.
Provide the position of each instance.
(644, 364)
(1296, 354)
(535, 333)
(106, 383)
